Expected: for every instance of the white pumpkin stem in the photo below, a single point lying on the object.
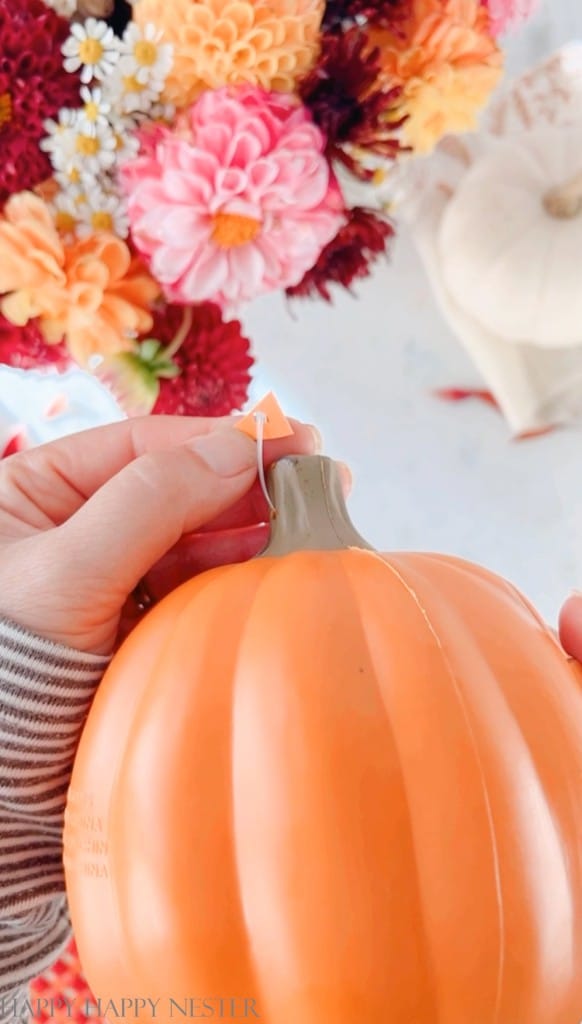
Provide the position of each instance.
(565, 202)
(310, 512)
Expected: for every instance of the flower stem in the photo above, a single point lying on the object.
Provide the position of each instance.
(565, 202)
(181, 334)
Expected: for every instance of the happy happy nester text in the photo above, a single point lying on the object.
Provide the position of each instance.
(193, 1008)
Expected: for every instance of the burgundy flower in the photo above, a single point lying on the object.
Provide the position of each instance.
(348, 100)
(348, 257)
(33, 86)
(26, 349)
(214, 361)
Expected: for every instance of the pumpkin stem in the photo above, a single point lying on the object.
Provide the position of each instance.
(310, 510)
(565, 202)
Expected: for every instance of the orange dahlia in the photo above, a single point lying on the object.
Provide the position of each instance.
(447, 63)
(91, 293)
(269, 43)
(108, 299)
(32, 259)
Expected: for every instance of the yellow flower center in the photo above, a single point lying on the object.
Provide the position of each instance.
(64, 221)
(74, 175)
(131, 84)
(92, 111)
(5, 108)
(87, 145)
(101, 221)
(232, 229)
(145, 53)
(90, 51)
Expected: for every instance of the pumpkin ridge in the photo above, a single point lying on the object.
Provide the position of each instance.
(478, 759)
(181, 626)
(563, 822)
(456, 565)
(468, 569)
(223, 575)
(116, 874)
(267, 565)
(72, 873)
(322, 579)
(349, 567)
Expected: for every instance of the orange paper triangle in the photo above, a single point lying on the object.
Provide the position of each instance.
(276, 423)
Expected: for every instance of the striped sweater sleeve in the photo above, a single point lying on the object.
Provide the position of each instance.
(46, 691)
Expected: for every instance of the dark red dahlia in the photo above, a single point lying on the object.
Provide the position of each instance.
(33, 86)
(348, 257)
(26, 349)
(348, 99)
(214, 360)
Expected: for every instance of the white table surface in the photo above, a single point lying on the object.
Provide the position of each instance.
(428, 475)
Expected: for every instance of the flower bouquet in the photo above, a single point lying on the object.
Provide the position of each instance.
(165, 163)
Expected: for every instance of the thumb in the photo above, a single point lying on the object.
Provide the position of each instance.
(140, 513)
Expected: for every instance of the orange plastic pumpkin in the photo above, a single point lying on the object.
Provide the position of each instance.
(332, 787)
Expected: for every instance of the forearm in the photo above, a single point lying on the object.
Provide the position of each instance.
(46, 691)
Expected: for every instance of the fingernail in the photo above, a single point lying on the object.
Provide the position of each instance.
(347, 477)
(317, 439)
(226, 452)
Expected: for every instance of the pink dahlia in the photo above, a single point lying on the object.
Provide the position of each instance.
(237, 200)
(506, 14)
(33, 86)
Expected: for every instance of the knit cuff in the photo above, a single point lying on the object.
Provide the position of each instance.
(46, 691)
(50, 675)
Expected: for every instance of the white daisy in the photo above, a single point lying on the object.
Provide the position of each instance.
(128, 96)
(56, 131)
(95, 110)
(103, 211)
(73, 177)
(126, 141)
(145, 56)
(94, 150)
(92, 46)
(59, 141)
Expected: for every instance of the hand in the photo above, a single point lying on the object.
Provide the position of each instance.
(83, 519)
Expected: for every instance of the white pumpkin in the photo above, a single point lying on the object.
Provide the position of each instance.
(510, 240)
